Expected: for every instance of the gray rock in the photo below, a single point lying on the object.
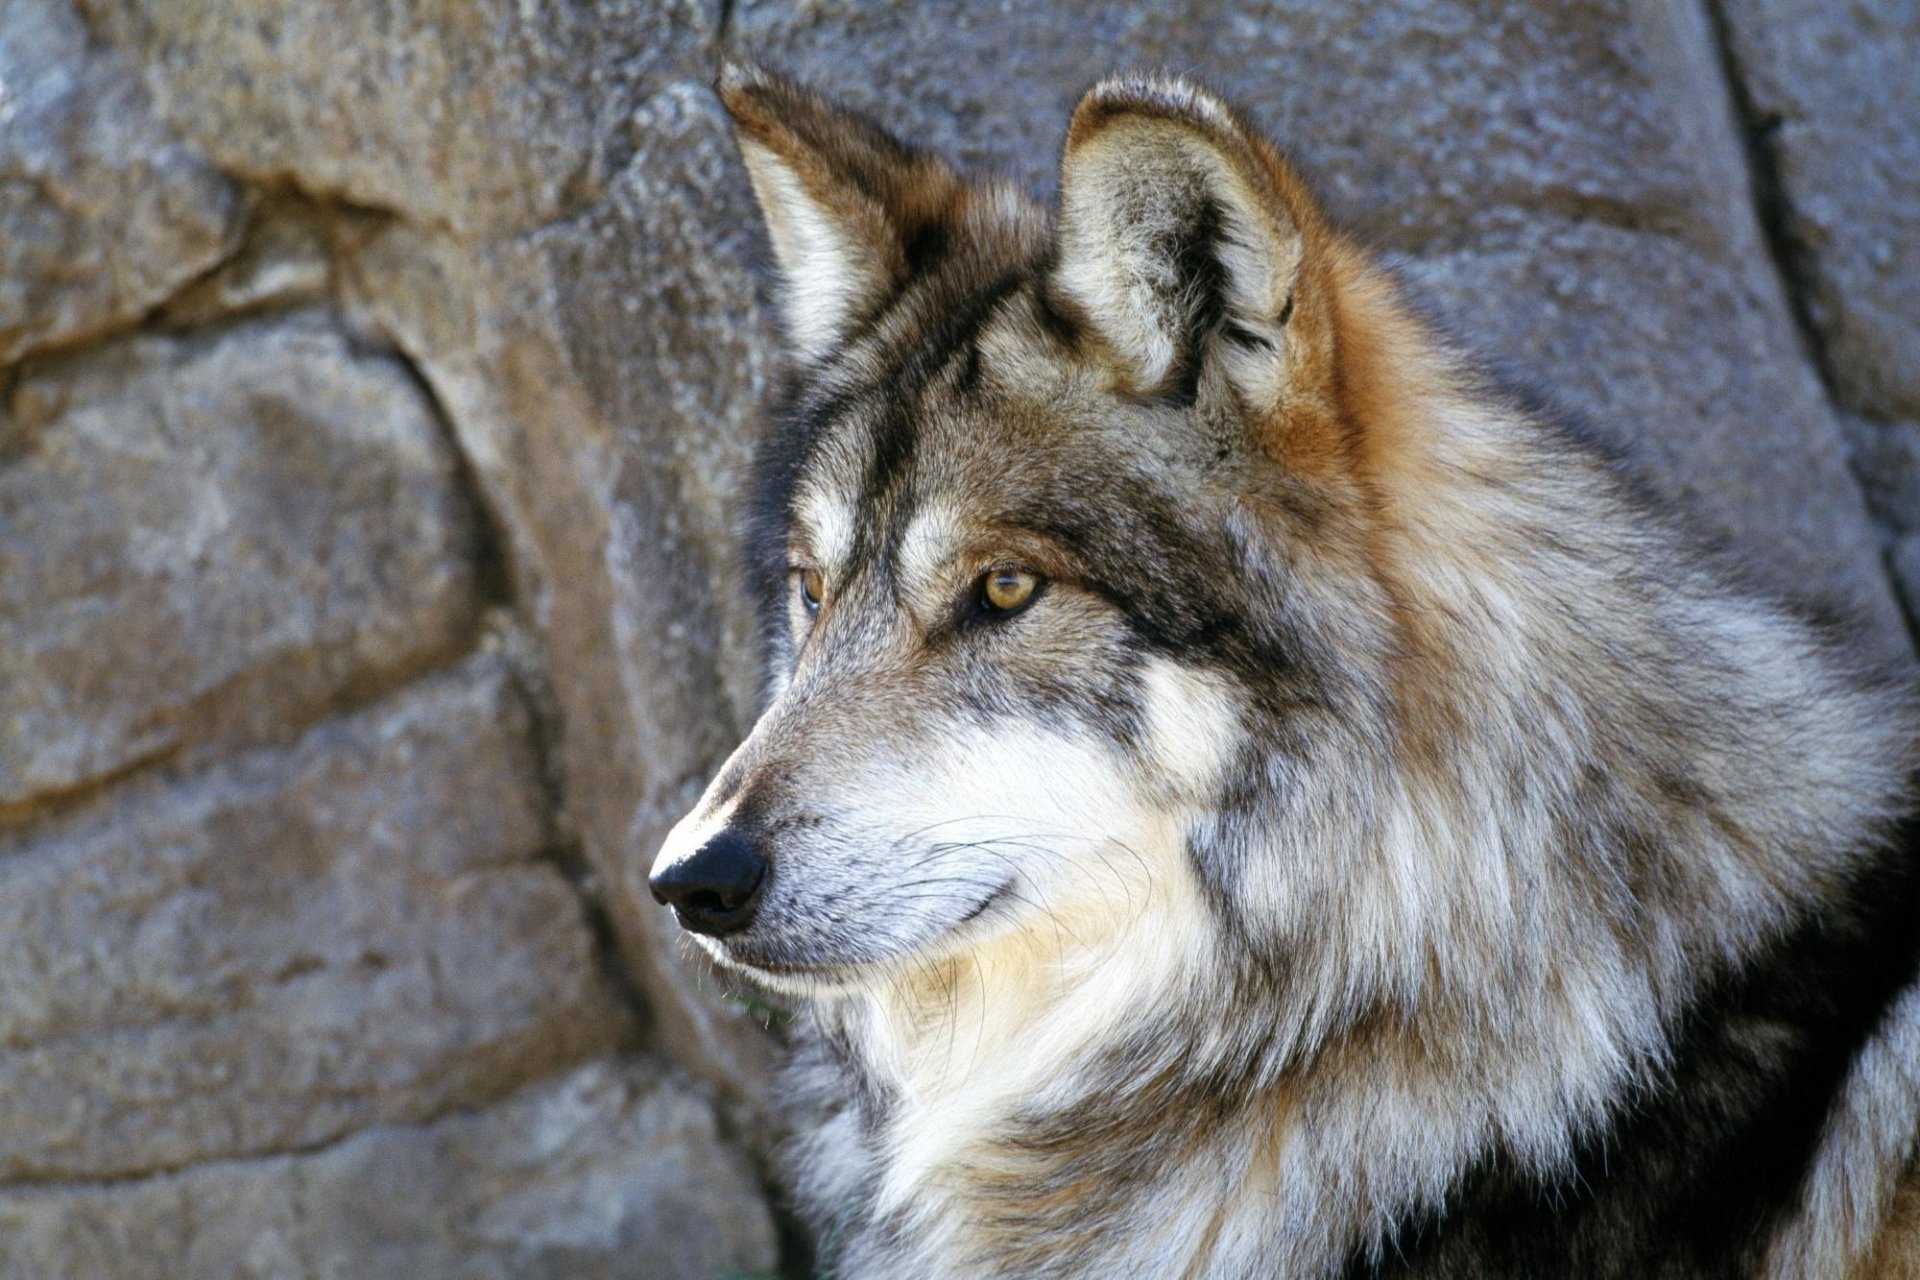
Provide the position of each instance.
(102, 214)
(611, 1171)
(1833, 92)
(1411, 115)
(1904, 560)
(681, 389)
(207, 540)
(293, 944)
(1886, 456)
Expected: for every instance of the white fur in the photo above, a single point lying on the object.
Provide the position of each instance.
(1193, 728)
(927, 549)
(1107, 916)
(827, 272)
(827, 524)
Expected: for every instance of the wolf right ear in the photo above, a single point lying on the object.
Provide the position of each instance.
(1193, 250)
(850, 209)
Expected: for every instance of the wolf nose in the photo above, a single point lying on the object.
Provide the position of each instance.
(716, 890)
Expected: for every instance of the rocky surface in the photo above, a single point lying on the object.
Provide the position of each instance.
(215, 537)
(102, 214)
(1830, 101)
(292, 944)
(1831, 95)
(604, 1172)
(376, 389)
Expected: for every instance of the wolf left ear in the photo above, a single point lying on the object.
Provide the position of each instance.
(849, 208)
(1190, 246)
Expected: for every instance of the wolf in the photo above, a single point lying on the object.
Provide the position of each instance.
(1240, 794)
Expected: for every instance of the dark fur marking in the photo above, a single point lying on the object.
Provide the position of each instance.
(1202, 278)
(923, 246)
(1058, 318)
(955, 322)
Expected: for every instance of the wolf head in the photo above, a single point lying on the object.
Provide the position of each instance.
(1146, 587)
(1287, 769)
(1032, 527)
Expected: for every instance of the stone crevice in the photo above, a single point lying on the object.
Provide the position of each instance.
(278, 1155)
(78, 341)
(360, 688)
(491, 551)
(522, 648)
(1768, 195)
(1774, 213)
(564, 851)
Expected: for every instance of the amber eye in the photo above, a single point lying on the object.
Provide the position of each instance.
(1005, 590)
(812, 588)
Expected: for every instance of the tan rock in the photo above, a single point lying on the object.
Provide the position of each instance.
(292, 944)
(604, 376)
(477, 115)
(206, 540)
(283, 261)
(610, 1171)
(102, 213)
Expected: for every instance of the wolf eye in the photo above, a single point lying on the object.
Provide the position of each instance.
(1005, 591)
(812, 587)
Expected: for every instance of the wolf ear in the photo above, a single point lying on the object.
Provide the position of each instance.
(1189, 245)
(850, 209)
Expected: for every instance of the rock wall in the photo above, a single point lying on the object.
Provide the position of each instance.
(376, 384)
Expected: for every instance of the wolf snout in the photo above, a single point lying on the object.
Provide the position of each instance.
(717, 890)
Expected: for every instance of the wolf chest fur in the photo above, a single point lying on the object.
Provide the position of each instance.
(1240, 796)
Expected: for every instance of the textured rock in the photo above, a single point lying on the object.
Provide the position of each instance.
(682, 389)
(1410, 115)
(292, 944)
(1887, 457)
(102, 215)
(477, 115)
(1833, 92)
(608, 1172)
(283, 261)
(1562, 183)
(206, 539)
(1905, 562)
(603, 375)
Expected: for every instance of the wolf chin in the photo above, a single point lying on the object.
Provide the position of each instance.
(1242, 796)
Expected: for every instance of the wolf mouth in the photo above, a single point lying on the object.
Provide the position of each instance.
(768, 961)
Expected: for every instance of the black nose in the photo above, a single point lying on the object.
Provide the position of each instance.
(715, 891)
